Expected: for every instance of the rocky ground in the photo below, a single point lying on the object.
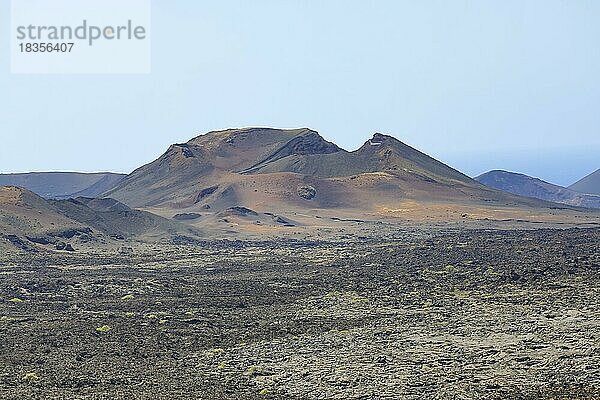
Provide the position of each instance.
(455, 314)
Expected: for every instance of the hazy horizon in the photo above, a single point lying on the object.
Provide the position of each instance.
(470, 163)
(479, 86)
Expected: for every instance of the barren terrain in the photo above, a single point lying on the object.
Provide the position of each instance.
(413, 313)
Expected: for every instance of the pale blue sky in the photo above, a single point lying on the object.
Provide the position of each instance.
(480, 84)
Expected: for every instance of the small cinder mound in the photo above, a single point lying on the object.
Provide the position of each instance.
(70, 233)
(64, 246)
(238, 211)
(17, 242)
(205, 193)
(307, 192)
(38, 240)
(282, 221)
(186, 216)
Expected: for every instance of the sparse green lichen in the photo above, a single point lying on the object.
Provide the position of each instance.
(103, 329)
(450, 268)
(252, 370)
(214, 352)
(31, 377)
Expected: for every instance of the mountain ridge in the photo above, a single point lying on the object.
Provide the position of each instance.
(282, 178)
(525, 185)
(63, 184)
(269, 168)
(588, 184)
(225, 159)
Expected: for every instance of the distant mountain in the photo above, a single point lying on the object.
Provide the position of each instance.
(296, 170)
(63, 184)
(107, 182)
(224, 168)
(257, 180)
(524, 185)
(189, 170)
(28, 221)
(589, 184)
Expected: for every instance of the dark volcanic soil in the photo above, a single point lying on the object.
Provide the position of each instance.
(447, 315)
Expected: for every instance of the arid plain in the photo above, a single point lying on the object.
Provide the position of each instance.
(261, 263)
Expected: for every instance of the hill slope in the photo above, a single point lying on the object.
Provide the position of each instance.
(27, 220)
(263, 165)
(525, 185)
(588, 184)
(254, 180)
(63, 184)
(381, 153)
(189, 170)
